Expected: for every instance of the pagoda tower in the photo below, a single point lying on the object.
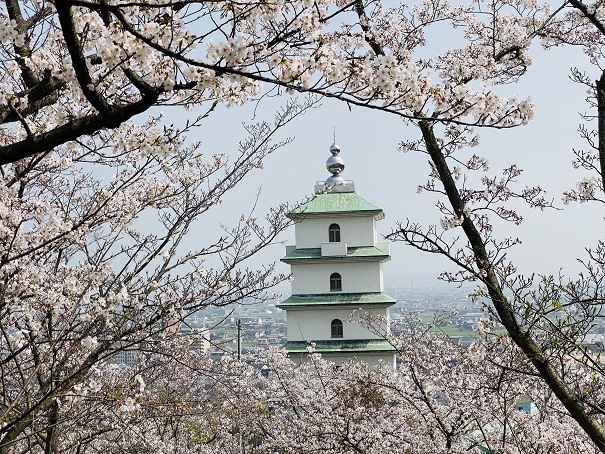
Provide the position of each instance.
(337, 269)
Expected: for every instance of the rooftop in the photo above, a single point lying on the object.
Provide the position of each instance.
(353, 253)
(337, 299)
(336, 203)
(342, 346)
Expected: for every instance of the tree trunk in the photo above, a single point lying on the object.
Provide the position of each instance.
(520, 337)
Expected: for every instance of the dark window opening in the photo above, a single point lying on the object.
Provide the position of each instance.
(336, 328)
(334, 233)
(335, 282)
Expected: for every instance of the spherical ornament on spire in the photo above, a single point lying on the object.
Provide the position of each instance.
(335, 165)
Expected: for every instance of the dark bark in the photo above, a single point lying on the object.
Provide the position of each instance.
(86, 125)
(49, 447)
(600, 92)
(12, 436)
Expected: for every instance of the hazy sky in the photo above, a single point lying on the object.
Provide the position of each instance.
(552, 240)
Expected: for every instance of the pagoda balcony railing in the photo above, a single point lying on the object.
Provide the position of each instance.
(334, 249)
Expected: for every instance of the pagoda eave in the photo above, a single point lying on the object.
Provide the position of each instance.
(366, 254)
(334, 300)
(337, 346)
(333, 258)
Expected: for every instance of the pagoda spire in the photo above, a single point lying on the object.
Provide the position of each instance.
(335, 182)
(335, 165)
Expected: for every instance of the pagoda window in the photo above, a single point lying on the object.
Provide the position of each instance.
(334, 233)
(335, 282)
(336, 328)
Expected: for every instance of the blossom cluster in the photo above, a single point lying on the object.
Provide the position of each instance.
(229, 51)
(584, 191)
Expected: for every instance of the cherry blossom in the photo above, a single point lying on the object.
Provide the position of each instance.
(82, 169)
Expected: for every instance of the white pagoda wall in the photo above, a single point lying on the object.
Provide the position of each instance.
(314, 325)
(357, 277)
(356, 231)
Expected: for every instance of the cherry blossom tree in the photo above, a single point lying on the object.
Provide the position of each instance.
(444, 398)
(549, 318)
(82, 171)
(74, 68)
(92, 265)
(96, 205)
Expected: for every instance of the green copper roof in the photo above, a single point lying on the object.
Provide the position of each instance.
(337, 299)
(342, 346)
(353, 253)
(336, 203)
